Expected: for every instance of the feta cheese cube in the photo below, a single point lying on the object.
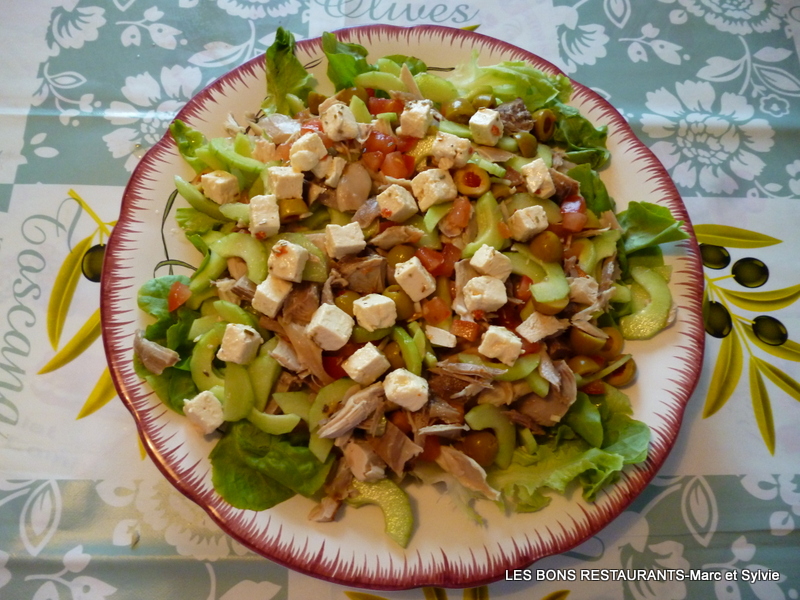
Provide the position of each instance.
(284, 353)
(538, 326)
(204, 412)
(538, 179)
(433, 186)
(486, 127)
(220, 186)
(450, 151)
(366, 364)
(527, 222)
(484, 293)
(265, 219)
(416, 118)
(396, 203)
(285, 182)
(330, 327)
(406, 389)
(339, 123)
(341, 240)
(415, 279)
(270, 294)
(330, 168)
(375, 311)
(287, 261)
(502, 344)
(440, 337)
(265, 151)
(306, 152)
(488, 261)
(240, 344)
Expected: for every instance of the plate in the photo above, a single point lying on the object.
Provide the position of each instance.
(447, 549)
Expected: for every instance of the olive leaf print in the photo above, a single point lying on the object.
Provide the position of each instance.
(437, 593)
(740, 334)
(84, 259)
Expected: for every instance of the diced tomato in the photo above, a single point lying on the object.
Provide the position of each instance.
(435, 310)
(573, 222)
(465, 329)
(451, 255)
(522, 289)
(460, 213)
(313, 124)
(399, 419)
(384, 225)
(333, 365)
(530, 347)
(283, 151)
(573, 204)
(383, 142)
(479, 315)
(504, 230)
(395, 165)
(432, 448)
(377, 106)
(431, 260)
(372, 160)
(178, 294)
(405, 143)
(594, 388)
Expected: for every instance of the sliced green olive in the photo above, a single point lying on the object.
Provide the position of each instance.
(405, 306)
(544, 124)
(345, 301)
(459, 110)
(547, 247)
(527, 142)
(472, 181)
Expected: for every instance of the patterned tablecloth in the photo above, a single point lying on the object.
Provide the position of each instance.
(711, 86)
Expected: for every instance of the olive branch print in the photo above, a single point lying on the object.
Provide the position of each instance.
(437, 593)
(741, 335)
(84, 259)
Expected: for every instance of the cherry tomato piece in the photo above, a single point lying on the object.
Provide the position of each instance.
(395, 165)
(178, 294)
(383, 142)
(373, 160)
(432, 448)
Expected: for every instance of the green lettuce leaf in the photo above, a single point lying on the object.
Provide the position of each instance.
(645, 224)
(172, 387)
(415, 65)
(584, 143)
(152, 296)
(189, 141)
(285, 75)
(583, 417)
(192, 221)
(593, 189)
(627, 438)
(345, 61)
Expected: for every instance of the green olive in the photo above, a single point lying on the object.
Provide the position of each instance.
(528, 144)
(399, 254)
(345, 301)
(471, 180)
(547, 247)
(583, 365)
(501, 190)
(394, 356)
(480, 446)
(347, 94)
(459, 110)
(405, 306)
(291, 209)
(483, 101)
(585, 343)
(614, 344)
(92, 262)
(553, 307)
(314, 100)
(622, 376)
(544, 124)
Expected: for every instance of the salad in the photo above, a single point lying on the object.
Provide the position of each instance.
(419, 276)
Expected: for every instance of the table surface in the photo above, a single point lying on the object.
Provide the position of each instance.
(711, 86)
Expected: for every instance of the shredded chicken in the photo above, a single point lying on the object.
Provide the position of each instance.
(365, 275)
(367, 213)
(154, 357)
(335, 279)
(396, 235)
(363, 461)
(356, 409)
(468, 472)
(307, 351)
(550, 410)
(244, 288)
(395, 448)
(301, 302)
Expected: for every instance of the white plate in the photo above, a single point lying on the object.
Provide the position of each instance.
(447, 549)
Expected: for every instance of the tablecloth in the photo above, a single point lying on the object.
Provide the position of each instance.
(87, 86)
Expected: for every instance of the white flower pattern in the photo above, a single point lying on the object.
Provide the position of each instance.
(706, 141)
(740, 17)
(258, 9)
(580, 44)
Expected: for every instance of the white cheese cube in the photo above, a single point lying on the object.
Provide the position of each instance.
(538, 179)
(339, 123)
(488, 261)
(415, 279)
(265, 218)
(539, 326)
(220, 186)
(265, 151)
(285, 182)
(396, 203)
(240, 344)
(366, 364)
(284, 353)
(440, 337)
(416, 118)
(270, 294)
(406, 389)
(375, 311)
(502, 344)
(306, 152)
(527, 222)
(433, 186)
(486, 127)
(330, 169)
(330, 327)
(341, 240)
(450, 151)
(287, 261)
(204, 412)
(484, 293)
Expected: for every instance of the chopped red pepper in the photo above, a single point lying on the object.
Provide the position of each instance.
(465, 329)
(431, 260)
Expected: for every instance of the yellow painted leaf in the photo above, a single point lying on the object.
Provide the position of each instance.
(559, 595)
(434, 593)
(761, 407)
(732, 237)
(64, 289)
(86, 335)
(363, 596)
(101, 394)
(142, 450)
(763, 301)
(779, 378)
(471, 27)
(726, 374)
(478, 593)
(789, 350)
